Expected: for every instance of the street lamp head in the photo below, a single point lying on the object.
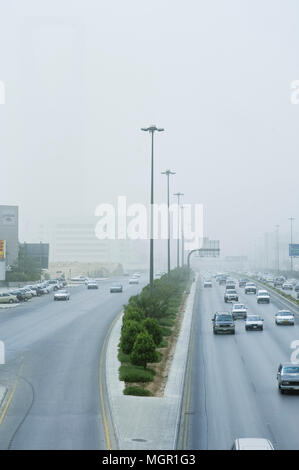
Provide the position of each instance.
(168, 172)
(152, 128)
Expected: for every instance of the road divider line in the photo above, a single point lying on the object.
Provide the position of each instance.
(11, 395)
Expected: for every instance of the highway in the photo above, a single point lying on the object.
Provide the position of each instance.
(231, 388)
(54, 348)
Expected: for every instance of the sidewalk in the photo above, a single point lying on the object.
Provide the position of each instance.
(148, 422)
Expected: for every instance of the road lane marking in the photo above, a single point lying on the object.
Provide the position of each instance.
(11, 395)
(105, 421)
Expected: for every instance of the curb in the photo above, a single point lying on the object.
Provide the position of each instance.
(149, 423)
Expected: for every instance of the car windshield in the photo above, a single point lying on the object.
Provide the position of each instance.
(285, 314)
(253, 318)
(263, 292)
(239, 307)
(291, 369)
(223, 318)
(231, 291)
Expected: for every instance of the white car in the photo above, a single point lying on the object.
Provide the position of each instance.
(284, 317)
(62, 295)
(134, 280)
(207, 283)
(287, 286)
(239, 311)
(252, 443)
(263, 297)
(254, 322)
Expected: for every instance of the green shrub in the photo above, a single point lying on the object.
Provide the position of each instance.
(137, 391)
(135, 374)
(166, 331)
(129, 332)
(154, 329)
(122, 357)
(144, 350)
(166, 321)
(133, 312)
(163, 344)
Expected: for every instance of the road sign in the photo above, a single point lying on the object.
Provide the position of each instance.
(2, 249)
(294, 249)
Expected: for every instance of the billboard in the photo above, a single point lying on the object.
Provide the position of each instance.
(2, 249)
(294, 249)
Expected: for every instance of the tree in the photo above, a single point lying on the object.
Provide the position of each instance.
(129, 332)
(132, 312)
(153, 328)
(144, 350)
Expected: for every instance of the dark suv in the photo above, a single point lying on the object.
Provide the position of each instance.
(223, 322)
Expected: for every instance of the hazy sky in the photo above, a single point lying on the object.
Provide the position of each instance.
(82, 77)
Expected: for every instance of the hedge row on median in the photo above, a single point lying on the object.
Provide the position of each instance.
(147, 321)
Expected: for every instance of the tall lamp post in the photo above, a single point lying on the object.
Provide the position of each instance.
(178, 195)
(291, 219)
(152, 129)
(168, 173)
(183, 236)
(277, 247)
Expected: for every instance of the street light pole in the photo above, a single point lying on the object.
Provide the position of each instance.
(167, 173)
(277, 246)
(178, 242)
(183, 239)
(152, 129)
(291, 219)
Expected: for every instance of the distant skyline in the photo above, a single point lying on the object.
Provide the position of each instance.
(82, 78)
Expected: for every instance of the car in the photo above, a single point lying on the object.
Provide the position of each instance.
(296, 288)
(223, 322)
(63, 294)
(230, 284)
(21, 296)
(116, 288)
(134, 280)
(26, 292)
(254, 322)
(242, 282)
(278, 281)
(252, 443)
(250, 288)
(7, 298)
(288, 377)
(207, 283)
(92, 285)
(239, 311)
(230, 295)
(287, 286)
(284, 317)
(31, 291)
(263, 297)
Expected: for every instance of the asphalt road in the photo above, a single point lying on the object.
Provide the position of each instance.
(55, 348)
(231, 388)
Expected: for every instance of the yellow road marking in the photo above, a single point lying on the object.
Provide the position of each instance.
(106, 427)
(10, 396)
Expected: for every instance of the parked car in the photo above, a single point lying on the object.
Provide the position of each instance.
(263, 297)
(239, 311)
(223, 322)
(284, 317)
(62, 295)
(116, 288)
(254, 322)
(7, 298)
(288, 377)
(26, 292)
(230, 295)
(21, 296)
(252, 443)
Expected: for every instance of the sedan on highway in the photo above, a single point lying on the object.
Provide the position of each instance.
(263, 297)
(223, 322)
(239, 311)
(230, 295)
(62, 295)
(252, 443)
(254, 322)
(284, 317)
(250, 288)
(287, 286)
(134, 280)
(288, 377)
(116, 288)
(207, 283)
(92, 285)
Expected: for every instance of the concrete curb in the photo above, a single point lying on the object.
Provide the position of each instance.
(146, 423)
